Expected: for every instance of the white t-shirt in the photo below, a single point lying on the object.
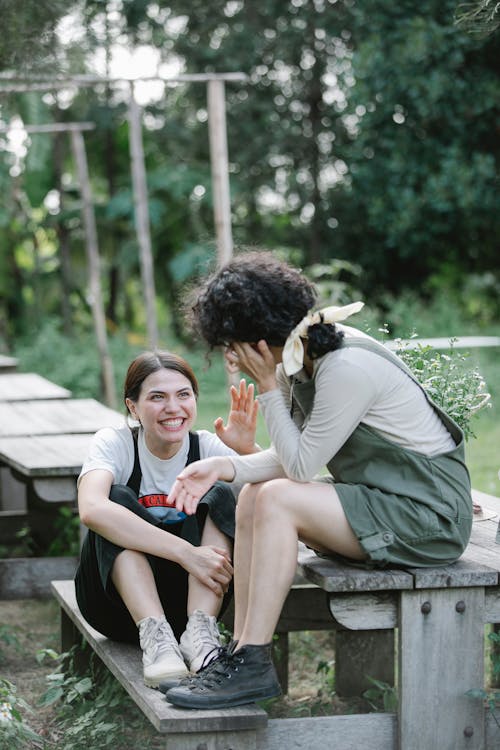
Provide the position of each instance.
(352, 385)
(112, 449)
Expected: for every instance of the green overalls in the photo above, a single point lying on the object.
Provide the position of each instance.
(405, 508)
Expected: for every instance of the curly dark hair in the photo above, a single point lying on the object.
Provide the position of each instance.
(257, 296)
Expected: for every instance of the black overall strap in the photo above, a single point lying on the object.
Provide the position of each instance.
(194, 448)
(134, 480)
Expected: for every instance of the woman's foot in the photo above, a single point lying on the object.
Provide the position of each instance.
(243, 676)
(200, 641)
(161, 658)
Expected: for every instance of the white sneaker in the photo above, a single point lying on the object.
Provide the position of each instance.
(161, 658)
(200, 638)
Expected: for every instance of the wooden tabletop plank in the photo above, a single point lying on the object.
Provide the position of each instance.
(45, 455)
(55, 416)
(8, 364)
(332, 575)
(26, 386)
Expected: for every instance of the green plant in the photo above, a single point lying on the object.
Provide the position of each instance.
(91, 706)
(327, 670)
(381, 695)
(14, 731)
(491, 697)
(67, 539)
(8, 638)
(457, 389)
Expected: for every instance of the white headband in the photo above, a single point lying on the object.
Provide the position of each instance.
(293, 351)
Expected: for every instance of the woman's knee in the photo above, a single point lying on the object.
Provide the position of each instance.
(246, 503)
(271, 498)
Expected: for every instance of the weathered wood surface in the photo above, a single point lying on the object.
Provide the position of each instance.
(441, 637)
(30, 578)
(26, 386)
(333, 576)
(55, 417)
(8, 364)
(45, 455)
(124, 661)
(355, 732)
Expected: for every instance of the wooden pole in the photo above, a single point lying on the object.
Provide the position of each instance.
(142, 217)
(219, 163)
(220, 169)
(93, 259)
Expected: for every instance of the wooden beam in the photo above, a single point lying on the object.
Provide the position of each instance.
(142, 217)
(220, 169)
(53, 127)
(94, 263)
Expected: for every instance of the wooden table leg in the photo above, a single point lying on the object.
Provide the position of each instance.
(441, 657)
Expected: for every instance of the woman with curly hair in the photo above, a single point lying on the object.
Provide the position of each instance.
(397, 490)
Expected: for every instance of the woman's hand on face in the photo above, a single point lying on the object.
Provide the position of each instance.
(210, 565)
(239, 433)
(255, 360)
(196, 479)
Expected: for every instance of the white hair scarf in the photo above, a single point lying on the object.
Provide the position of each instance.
(293, 351)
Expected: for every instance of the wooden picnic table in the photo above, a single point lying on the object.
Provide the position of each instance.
(55, 417)
(44, 438)
(26, 386)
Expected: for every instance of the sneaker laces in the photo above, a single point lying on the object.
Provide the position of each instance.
(205, 633)
(159, 639)
(214, 653)
(221, 668)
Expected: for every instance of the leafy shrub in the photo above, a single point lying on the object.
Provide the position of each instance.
(459, 390)
(92, 708)
(14, 731)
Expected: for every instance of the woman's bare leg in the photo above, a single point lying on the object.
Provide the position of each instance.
(134, 581)
(243, 548)
(284, 512)
(199, 595)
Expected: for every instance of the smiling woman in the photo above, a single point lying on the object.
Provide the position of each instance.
(147, 572)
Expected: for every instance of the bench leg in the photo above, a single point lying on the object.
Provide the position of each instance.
(71, 636)
(360, 654)
(441, 657)
(280, 658)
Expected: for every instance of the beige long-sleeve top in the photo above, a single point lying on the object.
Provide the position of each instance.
(352, 385)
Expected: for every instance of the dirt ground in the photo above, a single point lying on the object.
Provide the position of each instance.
(32, 625)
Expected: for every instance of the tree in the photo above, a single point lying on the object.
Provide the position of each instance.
(421, 196)
(28, 31)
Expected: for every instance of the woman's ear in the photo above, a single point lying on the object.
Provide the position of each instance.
(131, 408)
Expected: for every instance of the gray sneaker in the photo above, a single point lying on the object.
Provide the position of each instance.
(200, 640)
(243, 676)
(161, 658)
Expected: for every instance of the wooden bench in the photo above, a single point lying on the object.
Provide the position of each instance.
(439, 615)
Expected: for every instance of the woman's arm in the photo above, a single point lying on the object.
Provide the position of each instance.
(209, 564)
(344, 393)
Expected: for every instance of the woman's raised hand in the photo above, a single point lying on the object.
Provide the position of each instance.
(239, 433)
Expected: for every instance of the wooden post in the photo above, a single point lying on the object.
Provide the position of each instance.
(220, 171)
(93, 259)
(142, 216)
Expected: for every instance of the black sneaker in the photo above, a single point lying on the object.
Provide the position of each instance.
(212, 656)
(244, 676)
